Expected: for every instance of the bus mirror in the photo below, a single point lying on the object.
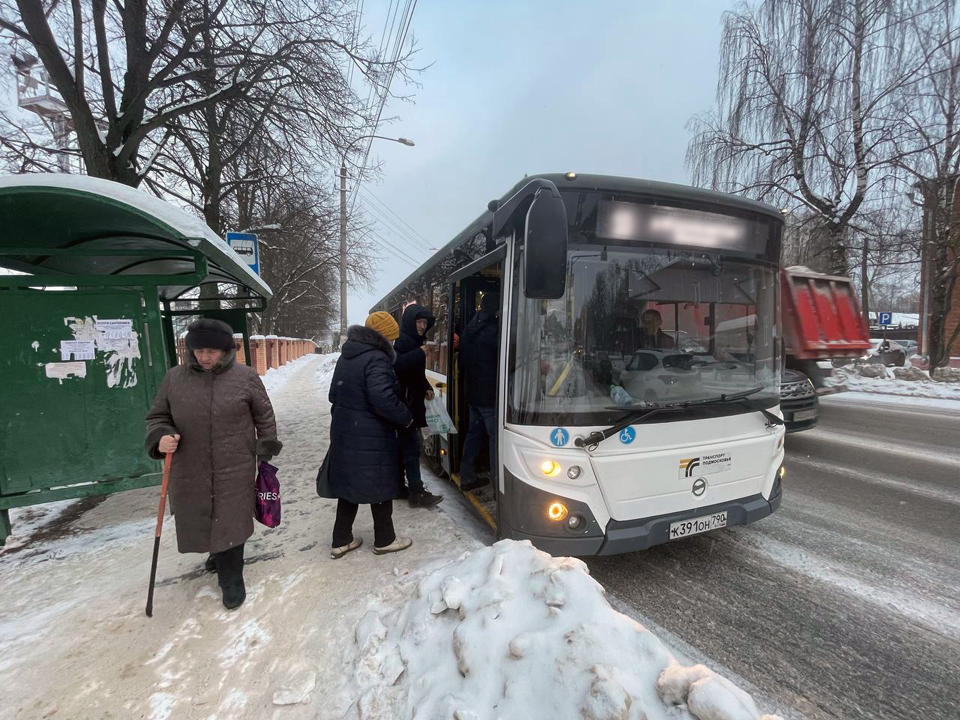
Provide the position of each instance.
(545, 254)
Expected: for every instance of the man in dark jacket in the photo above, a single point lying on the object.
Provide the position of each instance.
(411, 367)
(478, 357)
(361, 466)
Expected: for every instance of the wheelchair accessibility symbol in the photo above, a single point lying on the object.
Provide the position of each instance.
(559, 437)
(628, 435)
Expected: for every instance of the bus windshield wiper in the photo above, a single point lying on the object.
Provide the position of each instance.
(637, 416)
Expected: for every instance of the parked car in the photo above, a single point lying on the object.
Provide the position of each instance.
(910, 346)
(656, 375)
(887, 352)
(798, 401)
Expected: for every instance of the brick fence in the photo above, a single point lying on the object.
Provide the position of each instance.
(266, 352)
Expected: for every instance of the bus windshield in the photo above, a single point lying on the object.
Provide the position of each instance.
(642, 326)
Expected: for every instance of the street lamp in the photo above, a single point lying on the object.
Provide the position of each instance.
(343, 225)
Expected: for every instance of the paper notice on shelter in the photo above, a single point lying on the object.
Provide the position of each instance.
(62, 370)
(119, 329)
(76, 350)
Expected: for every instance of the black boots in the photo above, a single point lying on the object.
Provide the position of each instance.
(210, 564)
(424, 499)
(229, 565)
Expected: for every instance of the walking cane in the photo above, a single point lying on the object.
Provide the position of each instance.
(156, 542)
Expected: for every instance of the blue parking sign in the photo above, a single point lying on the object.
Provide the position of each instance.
(884, 318)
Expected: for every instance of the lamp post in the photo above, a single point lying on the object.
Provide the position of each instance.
(343, 225)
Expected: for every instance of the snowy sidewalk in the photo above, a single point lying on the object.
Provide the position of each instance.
(71, 609)
(448, 630)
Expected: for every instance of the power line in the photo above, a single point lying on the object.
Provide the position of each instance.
(370, 192)
(405, 22)
(383, 243)
(398, 229)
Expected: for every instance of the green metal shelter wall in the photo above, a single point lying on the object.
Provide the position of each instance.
(66, 420)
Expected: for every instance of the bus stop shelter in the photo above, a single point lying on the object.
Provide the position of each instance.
(88, 331)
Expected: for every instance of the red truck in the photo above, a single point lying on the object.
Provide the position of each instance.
(821, 321)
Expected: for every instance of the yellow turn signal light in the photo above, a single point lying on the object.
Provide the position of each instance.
(783, 472)
(557, 511)
(550, 468)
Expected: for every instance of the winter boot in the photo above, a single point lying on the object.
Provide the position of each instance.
(234, 594)
(397, 545)
(210, 565)
(474, 484)
(424, 499)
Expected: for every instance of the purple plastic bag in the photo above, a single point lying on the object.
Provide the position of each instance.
(268, 496)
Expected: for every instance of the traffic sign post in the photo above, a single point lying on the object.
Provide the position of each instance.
(247, 246)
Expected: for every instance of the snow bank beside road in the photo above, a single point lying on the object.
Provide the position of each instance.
(889, 385)
(509, 632)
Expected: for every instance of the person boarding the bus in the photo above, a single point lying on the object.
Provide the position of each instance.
(411, 368)
(651, 336)
(479, 347)
(362, 461)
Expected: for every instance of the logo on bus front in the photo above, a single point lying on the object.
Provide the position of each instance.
(705, 465)
(559, 437)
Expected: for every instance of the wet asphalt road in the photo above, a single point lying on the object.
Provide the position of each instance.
(845, 603)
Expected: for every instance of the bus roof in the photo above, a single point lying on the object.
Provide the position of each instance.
(604, 183)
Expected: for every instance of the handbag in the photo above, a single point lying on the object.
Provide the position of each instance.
(323, 476)
(267, 507)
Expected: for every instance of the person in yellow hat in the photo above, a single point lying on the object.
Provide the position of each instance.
(362, 461)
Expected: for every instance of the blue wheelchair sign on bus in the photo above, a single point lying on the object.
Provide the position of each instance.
(247, 246)
(628, 435)
(884, 318)
(559, 437)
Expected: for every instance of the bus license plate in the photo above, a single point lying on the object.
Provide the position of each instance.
(695, 526)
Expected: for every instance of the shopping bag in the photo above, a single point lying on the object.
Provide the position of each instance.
(438, 420)
(267, 510)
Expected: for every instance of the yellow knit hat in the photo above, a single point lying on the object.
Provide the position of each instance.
(384, 324)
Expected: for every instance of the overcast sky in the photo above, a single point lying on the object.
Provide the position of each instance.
(535, 86)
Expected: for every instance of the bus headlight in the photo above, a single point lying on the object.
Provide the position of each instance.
(574, 472)
(557, 511)
(550, 468)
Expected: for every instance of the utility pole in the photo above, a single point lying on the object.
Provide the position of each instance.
(343, 226)
(343, 251)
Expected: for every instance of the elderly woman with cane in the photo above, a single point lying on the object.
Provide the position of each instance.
(214, 417)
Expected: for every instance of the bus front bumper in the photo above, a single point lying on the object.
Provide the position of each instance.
(619, 536)
(642, 533)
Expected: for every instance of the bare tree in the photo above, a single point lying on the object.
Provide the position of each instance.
(930, 155)
(136, 75)
(807, 108)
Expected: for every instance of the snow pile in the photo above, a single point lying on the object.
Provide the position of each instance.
(887, 383)
(510, 632)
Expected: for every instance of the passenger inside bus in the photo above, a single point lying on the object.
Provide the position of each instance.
(479, 350)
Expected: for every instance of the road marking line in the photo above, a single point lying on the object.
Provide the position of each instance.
(928, 492)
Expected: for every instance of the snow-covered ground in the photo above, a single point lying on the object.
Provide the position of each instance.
(466, 631)
(908, 401)
(848, 377)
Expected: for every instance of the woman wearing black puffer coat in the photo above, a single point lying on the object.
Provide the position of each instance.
(362, 463)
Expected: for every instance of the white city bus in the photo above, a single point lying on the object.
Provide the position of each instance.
(615, 435)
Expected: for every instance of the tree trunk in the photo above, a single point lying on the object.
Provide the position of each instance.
(865, 282)
(837, 261)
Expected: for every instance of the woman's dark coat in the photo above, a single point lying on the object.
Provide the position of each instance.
(411, 363)
(361, 465)
(225, 420)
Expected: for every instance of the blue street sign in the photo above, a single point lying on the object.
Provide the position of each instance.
(559, 437)
(628, 435)
(885, 318)
(247, 246)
